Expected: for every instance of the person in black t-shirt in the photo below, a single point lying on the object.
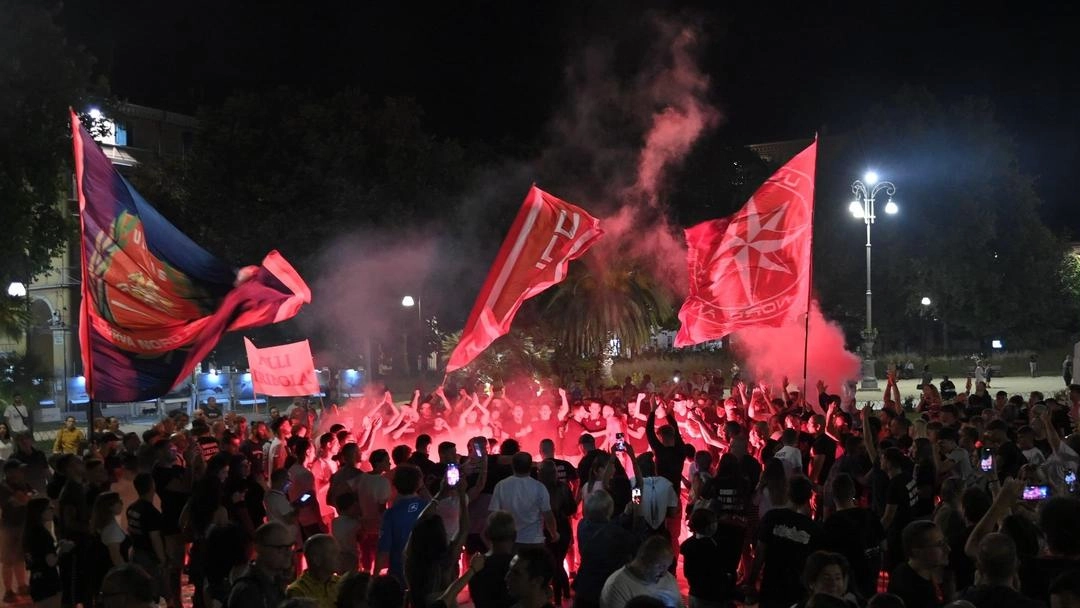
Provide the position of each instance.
(855, 533)
(487, 588)
(144, 527)
(901, 495)
(566, 471)
(786, 537)
(172, 482)
(822, 450)
(253, 446)
(668, 447)
(43, 552)
(709, 567)
(921, 580)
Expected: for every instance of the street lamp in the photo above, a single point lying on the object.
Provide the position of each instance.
(16, 290)
(409, 302)
(865, 191)
(925, 301)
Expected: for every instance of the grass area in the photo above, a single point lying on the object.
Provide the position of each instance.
(664, 367)
(1012, 363)
(957, 366)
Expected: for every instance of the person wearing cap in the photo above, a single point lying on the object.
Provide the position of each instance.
(15, 493)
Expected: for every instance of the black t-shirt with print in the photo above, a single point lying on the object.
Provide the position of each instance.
(903, 493)
(143, 518)
(253, 451)
(790, 537)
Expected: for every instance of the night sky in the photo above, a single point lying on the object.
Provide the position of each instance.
(495, 71)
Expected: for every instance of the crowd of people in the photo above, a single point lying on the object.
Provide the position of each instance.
(696, 491)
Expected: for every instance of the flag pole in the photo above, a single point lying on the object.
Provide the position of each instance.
(810, 279)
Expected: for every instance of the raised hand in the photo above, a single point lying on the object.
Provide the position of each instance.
(476, 563)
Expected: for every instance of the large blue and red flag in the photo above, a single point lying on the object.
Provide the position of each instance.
(154, 303)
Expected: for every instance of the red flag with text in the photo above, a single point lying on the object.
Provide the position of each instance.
(547, 233)
(282, 371)
(753, 268)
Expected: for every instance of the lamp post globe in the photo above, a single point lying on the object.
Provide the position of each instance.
(865, 191)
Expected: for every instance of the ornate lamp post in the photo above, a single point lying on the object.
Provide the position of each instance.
(862, 207)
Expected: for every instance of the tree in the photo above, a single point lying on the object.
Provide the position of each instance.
(968, 235)
(601, 302)
(517, 354)
(303, 169)
(41, 76)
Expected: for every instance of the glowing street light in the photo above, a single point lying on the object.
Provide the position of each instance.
(865, 191)
(925, 301)
(408, 302)
(95, 113)
(17, 290)
(856, 209)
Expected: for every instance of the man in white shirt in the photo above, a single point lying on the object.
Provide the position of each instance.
(790, 454)
(956, 462)
(646, 575)
(17, 415)
(528, 501)
(278, 506)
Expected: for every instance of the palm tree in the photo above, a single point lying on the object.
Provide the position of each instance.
(596, 308)
(515, 354)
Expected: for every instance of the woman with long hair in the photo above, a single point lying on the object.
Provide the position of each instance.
(43, 553)
(431, 558)
(771, 491)
(563, 507)
(598, 477)
(7, 443)
(109, 545)
(925, 476)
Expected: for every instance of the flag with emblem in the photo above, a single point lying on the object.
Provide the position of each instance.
(753, 268)
(154, 303)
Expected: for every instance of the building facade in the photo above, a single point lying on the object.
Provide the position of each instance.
(135, 133)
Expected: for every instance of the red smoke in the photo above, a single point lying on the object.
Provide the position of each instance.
(640, 230)
(677, 126)
(772, 353)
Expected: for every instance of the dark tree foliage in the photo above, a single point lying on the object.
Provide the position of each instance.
(41, 76)
(294, 171)
(968, 236)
